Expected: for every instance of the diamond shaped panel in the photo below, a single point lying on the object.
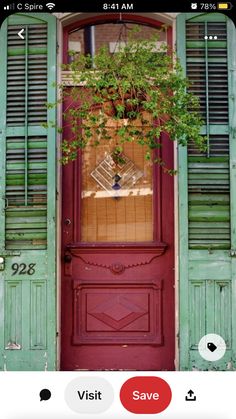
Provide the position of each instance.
(112, 176)
(117, 312)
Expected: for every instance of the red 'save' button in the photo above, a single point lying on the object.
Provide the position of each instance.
(145, 395)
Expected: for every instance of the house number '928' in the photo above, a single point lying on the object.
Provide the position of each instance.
(23, 269)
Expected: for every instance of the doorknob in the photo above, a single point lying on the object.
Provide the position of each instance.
(67, 258)
(67, 221)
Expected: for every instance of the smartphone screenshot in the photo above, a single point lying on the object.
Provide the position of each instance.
(117, 209)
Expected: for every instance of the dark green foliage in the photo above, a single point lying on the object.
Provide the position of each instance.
(143, 88)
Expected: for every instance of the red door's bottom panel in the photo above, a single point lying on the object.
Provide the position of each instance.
(118, 326)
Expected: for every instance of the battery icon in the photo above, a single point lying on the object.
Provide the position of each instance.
(224, 6)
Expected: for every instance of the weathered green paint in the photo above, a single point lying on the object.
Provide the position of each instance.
(207, 207)
(232, 131)
(183, 225)
(211, 17)
(35, 51)
(200, 44)
(27, 216)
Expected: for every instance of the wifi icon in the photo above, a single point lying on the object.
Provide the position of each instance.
(50, 6)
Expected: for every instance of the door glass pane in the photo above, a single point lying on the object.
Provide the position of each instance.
(117, 194)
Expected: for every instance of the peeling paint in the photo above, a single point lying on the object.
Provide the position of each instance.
(4, 363)
(229, 365)
(46, 362)
(13, 346)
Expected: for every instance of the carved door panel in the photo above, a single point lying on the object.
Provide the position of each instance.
(117, 269)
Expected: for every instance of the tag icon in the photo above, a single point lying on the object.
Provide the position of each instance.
(212, 347)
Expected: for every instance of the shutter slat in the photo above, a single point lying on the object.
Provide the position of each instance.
(26, 228)
(208, 177)
(36, 76)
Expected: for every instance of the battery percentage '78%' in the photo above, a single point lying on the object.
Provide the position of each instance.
(208, 6)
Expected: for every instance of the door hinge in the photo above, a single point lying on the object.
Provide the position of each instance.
(177, 337)
(232, 252)
(5, 253)
(2, 263)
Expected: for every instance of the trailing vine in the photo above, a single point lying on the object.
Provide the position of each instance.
(134, 95)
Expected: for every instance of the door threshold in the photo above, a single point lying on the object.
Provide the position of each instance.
(106, 369)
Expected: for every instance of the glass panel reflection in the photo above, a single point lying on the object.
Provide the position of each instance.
(116, 172)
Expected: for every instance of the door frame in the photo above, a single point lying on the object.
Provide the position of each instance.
(78, 21)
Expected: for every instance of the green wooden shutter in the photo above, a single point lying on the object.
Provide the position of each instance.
(208, 173)
(206, 196)
(27, 217)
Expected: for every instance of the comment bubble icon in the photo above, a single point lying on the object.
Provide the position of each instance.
(45, 394)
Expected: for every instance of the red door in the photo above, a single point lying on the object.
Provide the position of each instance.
(117, 298)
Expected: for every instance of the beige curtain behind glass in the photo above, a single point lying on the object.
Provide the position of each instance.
(124, 215)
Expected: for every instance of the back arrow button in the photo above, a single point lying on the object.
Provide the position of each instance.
(20, 33)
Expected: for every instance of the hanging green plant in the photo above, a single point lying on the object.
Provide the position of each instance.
(133, 95)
